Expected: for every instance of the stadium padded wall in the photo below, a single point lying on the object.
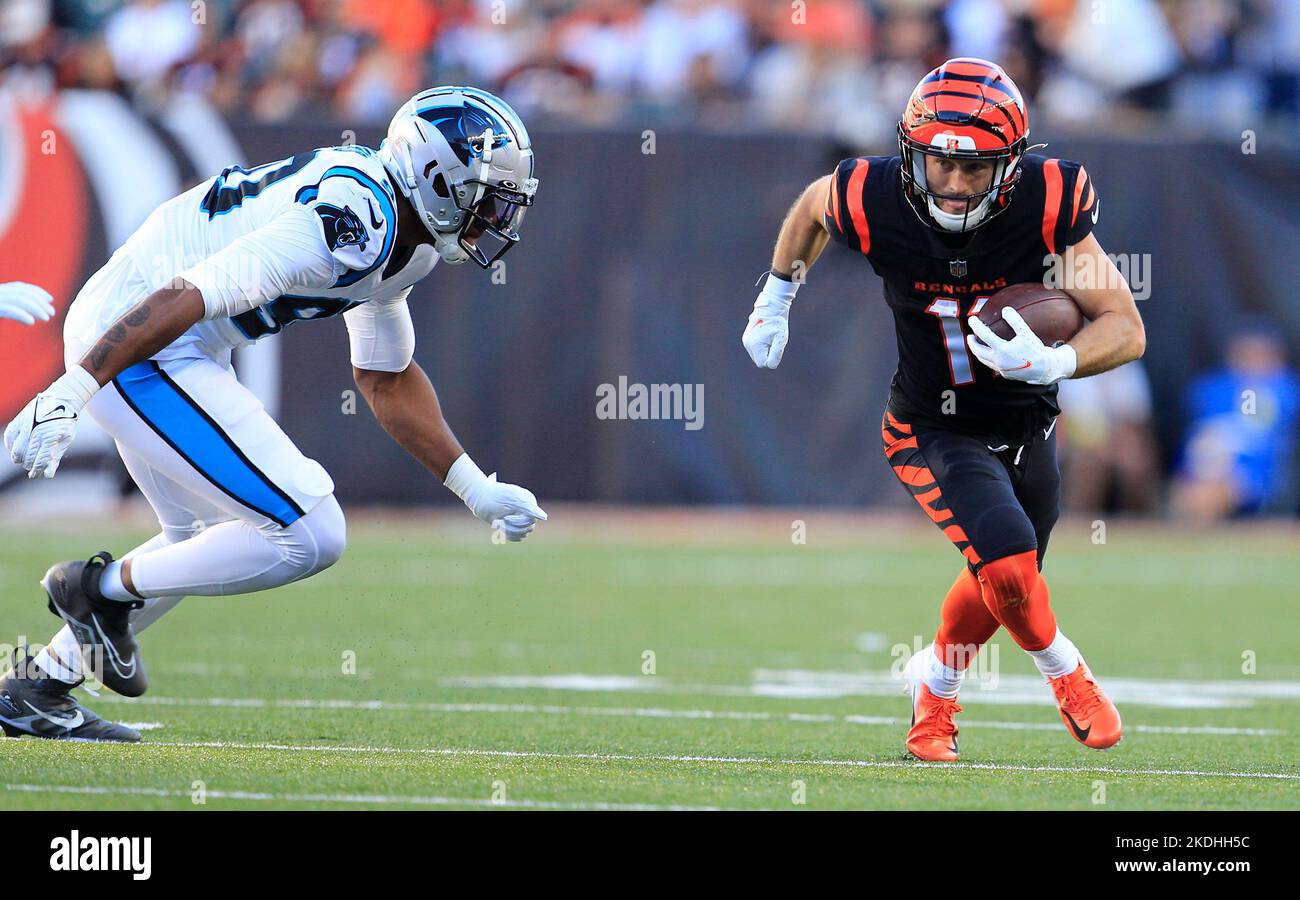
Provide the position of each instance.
(644, 266)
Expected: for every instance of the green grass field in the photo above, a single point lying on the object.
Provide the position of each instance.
(514, 676)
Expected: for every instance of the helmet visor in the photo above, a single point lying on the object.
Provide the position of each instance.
(492, 225)
(499, 213)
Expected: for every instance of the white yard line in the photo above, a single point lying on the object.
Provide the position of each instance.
(711, 760)
(354, 798)
(1017, 689)
(643, 712)
(804, 684)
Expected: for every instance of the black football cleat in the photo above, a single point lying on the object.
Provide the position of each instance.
(32, 703)
(102, 626)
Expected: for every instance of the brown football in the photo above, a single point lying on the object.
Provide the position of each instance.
(1050, 312)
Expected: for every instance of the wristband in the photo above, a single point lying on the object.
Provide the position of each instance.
(779, 288)
(75, 386)
(464, 477)
(776, 296)
(1069, 358)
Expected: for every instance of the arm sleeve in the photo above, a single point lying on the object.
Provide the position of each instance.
(381, 334)
(845, 216)
(255, 268)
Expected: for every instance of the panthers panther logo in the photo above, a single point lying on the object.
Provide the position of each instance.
(342, 226)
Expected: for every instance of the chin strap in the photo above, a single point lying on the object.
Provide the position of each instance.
(960, 223)
(449, 248)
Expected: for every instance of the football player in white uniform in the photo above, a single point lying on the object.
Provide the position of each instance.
(340, 230)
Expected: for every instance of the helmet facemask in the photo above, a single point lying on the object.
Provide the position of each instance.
(466, 165)
(980, 206)
(966, 109)
(492, 221)
(493, 207)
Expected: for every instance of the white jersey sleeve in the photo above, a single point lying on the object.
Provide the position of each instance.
(381, 334)
(256, 268)
(334, 233)
(357, 220)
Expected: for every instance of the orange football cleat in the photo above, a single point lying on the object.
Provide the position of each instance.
(1087, 712)
(933, 736)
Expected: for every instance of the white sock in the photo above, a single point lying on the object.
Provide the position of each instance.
(61, 658)
(154, 607)
(111, 585)
(1058, 658)
(943, 681)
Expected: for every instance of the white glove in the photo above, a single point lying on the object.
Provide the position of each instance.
(768, 329)
(506, 506)
(1023, 358)
(25, 303)
(38, 436)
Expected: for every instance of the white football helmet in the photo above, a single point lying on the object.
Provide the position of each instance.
(463, 158)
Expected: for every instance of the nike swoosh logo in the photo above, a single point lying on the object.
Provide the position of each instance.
(1096, 209)
(69, 722)
(1080, 733)
(378, 224)
(50, 416)
(1018, 368)
(1047, 432)
(123, 667)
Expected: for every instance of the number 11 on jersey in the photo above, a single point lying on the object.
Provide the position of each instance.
(948, 309)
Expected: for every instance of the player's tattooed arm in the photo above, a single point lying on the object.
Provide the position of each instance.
(143, 330)
(407, 407)
(1114, 333)
(803, 234)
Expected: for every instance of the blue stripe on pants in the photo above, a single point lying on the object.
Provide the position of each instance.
(192, 433)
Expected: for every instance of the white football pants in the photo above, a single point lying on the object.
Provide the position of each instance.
(241, 508)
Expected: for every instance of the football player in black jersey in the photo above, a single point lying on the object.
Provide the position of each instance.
(963, 211)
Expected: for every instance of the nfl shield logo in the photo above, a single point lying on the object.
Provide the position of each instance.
(957, 267)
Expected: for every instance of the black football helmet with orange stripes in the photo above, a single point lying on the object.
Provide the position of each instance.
(965, 109)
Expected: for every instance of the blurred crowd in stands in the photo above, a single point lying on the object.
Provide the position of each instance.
(1239, 453)
(839, 66)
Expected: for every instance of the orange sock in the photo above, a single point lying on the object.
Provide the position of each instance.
(966, 623)
(1017, 596)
